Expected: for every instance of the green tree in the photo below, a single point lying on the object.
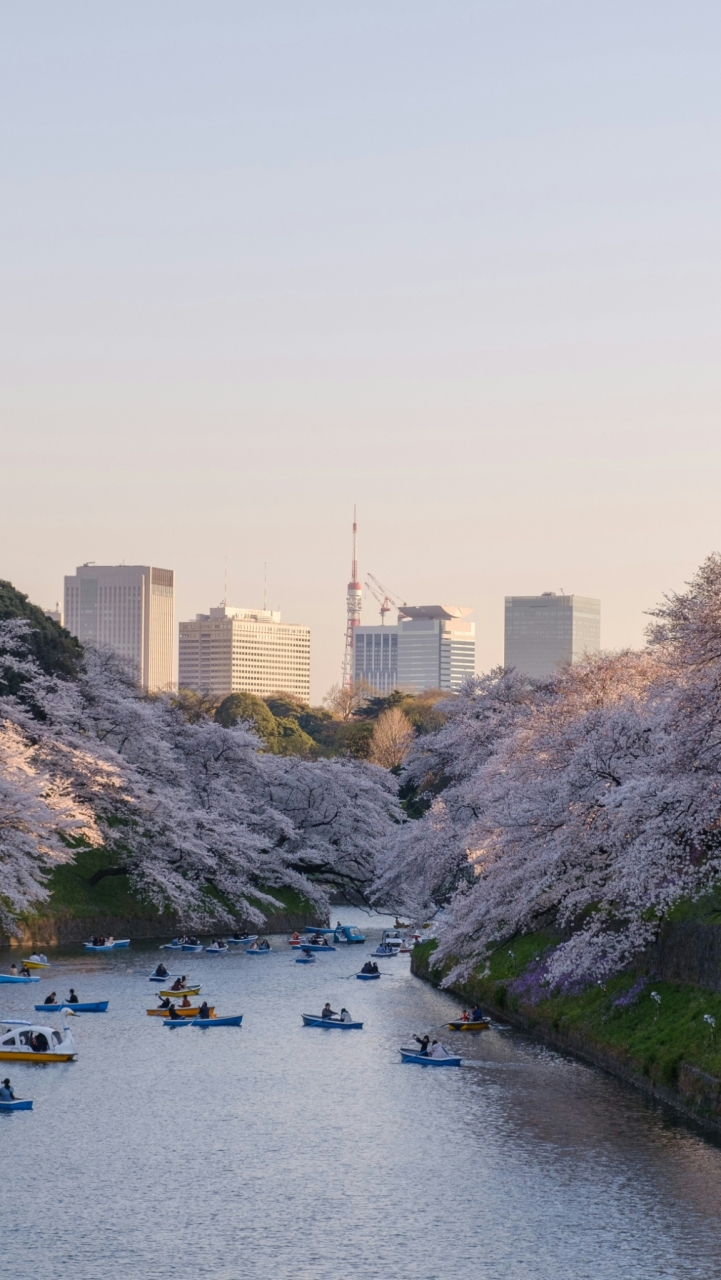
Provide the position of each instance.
(245, 706)
(56, 651)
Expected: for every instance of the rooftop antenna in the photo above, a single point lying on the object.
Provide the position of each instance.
(265, 586)
(354, 598)
(225, 583)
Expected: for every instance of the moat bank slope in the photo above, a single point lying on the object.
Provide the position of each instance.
(667, 1047)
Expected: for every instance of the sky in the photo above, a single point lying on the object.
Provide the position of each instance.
(456, 262)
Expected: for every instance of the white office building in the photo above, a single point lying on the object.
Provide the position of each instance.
(130, 609)
(547, 632)
(232, 650)
(431, 647)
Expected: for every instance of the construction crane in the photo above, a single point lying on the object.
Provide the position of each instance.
(385, 598)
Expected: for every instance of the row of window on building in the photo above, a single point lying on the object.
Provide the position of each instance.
(130, 608)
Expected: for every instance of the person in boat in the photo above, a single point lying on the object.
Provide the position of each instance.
(375, 967)
(465, 1016)
(424, 1043)
(438, 1050)
(179, 984)
(24, 971)
(51, 999)
(13, 970)
(72, 998)
(345, 1016)
(307, 952)
(35, 958)
(164, 1003)
(39, 1042)
(185, 1003)
(264, 945)
(477, 1015)
(295, 937)
(161, 971)
(328, 1013)
(173, 1014)
(6, 1091)
(204, 1011)
(43, 958)
(318, 940)
(367, 967)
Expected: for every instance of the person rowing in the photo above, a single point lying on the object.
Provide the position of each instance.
(328, 1014)
(477, 1015)
(161, 971)
(6, 1091)
(204, 1011)
(424, 1043)
(72, 998)
(185, 1003)
(179, 984)
(368, 967)
(24, 971)
(164, 1003)
(174, 1015)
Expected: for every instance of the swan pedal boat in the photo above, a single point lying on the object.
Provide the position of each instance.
(425, 1060)
(367, 977)
(16, 977)
(481, 1024)
(19, 1104)
(184, 991)
(315, 1020)
(235, 1020)
(258, 951)
(242, 942)
(15, 1043)
(90, 1006)
(107, 946)
(36, 964)
(184, 1013)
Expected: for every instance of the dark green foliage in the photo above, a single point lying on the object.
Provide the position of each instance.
(245, 706)
(291, 740)
(54, 649)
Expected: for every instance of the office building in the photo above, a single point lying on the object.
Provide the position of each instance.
(544, 633)
(244, 650)
(431, 647)
(129, 608)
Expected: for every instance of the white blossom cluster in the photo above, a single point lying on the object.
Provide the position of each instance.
(589, 803)
(200, 816)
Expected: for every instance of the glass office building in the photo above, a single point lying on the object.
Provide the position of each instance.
(431, 647)
(544, 633)
(130, 609)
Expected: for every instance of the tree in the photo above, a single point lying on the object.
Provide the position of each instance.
(392, 737)
(245, 707)
(195, 706)
(343, 702)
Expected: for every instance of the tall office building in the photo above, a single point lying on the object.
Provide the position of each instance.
(130, 609)
(546, 632)
(431, 647)
(244, 651)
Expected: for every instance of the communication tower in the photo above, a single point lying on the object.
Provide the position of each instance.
(353, 610)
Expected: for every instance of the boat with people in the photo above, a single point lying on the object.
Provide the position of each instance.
(431, 1059)
(234, 1020)
(313, 946)
(183, 944)
(37, 961)
(88, 1006)
(23, 1041)
(244, 941)
(173, 992)
(392, 938)
(217, 949)
(192, 1012)
(262, 948)
(348, 933)
(306, 957)
(475, 1021)
(338, 1021)
(106, 944)
(19, 977)
(17, 1104)
(384, 951)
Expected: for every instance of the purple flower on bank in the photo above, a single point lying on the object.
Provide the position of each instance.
(631, 996)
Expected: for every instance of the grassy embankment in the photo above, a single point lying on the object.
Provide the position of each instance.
(667, 1046)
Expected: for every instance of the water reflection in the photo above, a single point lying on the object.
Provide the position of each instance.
(279, 1151)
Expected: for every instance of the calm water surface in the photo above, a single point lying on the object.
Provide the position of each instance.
(279, 1151)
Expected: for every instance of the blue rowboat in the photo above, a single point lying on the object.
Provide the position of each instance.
(20, 1104)
(242, 942)
(172, 946)
(13, 977)
(259, 951)
(312, 946)
(92, 1006)
(386, 952)
(234, 1021)
(424, 1060)
(309, 928)
(305, 960)
(315, 1020)
(192, 946)
(107, 946)
(216, 951)
(367, 977)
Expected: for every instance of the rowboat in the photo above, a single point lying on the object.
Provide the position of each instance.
(425, 1060)
(163, 977)
(184, 1013)
(242, 942)
(92, 1006)
(107, 946)
(315, 1020)
(36, 964)
(216, 951)
(185, 991)
(258, 951)
(20, 1104)
(192, 946)
(367, 977)
(16, 1046)
(481, 1024)
(16, 977)
(234, 1021)
(384, 951)
(172, 946)
(305, 960)
(312, 946)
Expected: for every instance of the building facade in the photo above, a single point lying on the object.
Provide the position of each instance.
(130, 609)
(544, 633)
(431, 647)
(232, 650)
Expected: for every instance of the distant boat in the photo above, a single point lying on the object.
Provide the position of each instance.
(312, 946)
(384, 951)
(16, 1042)
(92, 1006)
(480, 1024)
(19, 1104)
(242, 942)
(348, 933)
(17, 977)
(367, 977)
(184, 1013)
(184, 991)
(258, 951)
(234, 1021)
(216, 951)
(36, 964)
(305, 960)
(107, 946)
(315, 1020)
(425, 1059)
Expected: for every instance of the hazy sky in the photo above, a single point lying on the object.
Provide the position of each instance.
(456, 262)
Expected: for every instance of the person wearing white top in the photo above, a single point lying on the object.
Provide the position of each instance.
(345, 1016)
(438, 1051)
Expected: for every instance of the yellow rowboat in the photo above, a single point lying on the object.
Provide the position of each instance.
(36, 964)
(178, 995)
(184, 1013)
(481, 1025)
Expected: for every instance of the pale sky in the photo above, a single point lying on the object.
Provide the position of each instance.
(456, 262)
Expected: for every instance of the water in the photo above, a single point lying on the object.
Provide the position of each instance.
(278, 1151)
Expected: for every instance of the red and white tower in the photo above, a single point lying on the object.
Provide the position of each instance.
(353, 610)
